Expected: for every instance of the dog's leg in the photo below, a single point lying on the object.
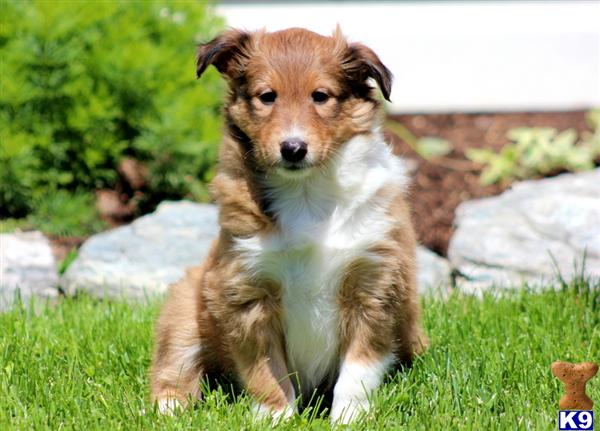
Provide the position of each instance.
(367, 355)
(249, 312)
(411, 340)
(176, 366)
(264, 373)
(368, 314)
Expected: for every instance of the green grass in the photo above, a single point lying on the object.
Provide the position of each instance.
(83, 364)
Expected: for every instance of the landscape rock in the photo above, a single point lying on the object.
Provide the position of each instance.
(27, 268)
(143, 258)
(529, 234)
(434, 272)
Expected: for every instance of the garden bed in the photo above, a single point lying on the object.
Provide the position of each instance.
(440, 185)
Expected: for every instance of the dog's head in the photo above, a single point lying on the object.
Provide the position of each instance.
(295, 96)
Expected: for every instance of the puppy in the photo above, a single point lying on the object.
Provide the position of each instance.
(311, 281)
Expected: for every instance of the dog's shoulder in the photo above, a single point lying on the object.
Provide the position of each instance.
(241, 205)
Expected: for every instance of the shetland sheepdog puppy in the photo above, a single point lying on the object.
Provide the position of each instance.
(311, 282)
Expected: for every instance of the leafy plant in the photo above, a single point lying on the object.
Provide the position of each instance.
(428, 147)
(84, 84)
(8, 225)
(540, 151)
(59, 213)
(62, 213)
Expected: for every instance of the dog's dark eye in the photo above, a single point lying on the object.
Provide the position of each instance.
(320, 97)
(268, 97)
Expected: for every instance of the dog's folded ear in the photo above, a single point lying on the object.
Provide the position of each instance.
(361, 62)
(225, 52)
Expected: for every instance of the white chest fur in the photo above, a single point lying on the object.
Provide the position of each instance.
(326, 220)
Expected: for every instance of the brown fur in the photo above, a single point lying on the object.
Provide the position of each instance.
(235, 316)
(379, 302)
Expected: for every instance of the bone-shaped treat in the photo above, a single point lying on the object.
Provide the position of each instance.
(575, 376)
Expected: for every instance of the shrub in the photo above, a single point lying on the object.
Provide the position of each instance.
(59, 213)
(540, 151)
(66, 214)
(84, 84)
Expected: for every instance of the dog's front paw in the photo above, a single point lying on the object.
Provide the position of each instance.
(347, 409)
(168, 406)
(262, 411)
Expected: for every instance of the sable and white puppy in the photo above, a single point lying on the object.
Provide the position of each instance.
(312, 278)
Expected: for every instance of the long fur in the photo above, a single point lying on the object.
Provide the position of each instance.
(327, 219)
(312, 279)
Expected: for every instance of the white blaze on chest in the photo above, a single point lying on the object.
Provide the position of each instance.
(309, 278)
(325, 223)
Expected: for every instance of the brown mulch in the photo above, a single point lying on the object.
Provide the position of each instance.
(62, 245)
(439, 186)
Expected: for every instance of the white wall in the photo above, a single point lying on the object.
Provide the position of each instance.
(462, 56)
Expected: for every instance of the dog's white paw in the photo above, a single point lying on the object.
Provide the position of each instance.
(168, 406)
(261, 412)
(346, 410)
(356, 383)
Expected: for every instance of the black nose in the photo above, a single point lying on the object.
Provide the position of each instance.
(293, 150)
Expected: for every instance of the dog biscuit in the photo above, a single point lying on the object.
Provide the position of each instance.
(575, 376)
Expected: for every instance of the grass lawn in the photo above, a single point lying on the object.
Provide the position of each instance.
(82, 365)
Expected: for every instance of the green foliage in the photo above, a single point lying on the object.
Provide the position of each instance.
(536, 152)
(67, 261)
(428, 147)
(8, 225)
(84, 84)
(66, 214)
(60, 213)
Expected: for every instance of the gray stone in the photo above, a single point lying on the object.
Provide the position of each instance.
(143, 258)
(27, 268)
(434, 272)
(529, 234)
